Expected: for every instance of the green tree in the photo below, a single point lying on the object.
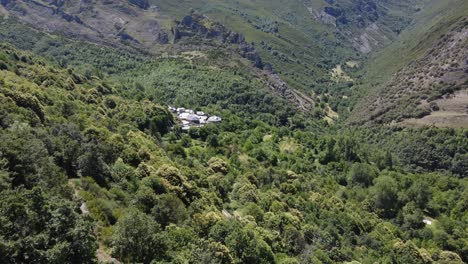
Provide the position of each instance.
(136, 238)
(39, 227)
(362, 174)
(92, 164)
(248, 248)
(26, 158)
(169, 208)
(385, 196)
(420, 193)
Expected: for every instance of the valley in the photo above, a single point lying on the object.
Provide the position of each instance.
(218, 131)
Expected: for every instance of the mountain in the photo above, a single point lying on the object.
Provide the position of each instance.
(217, 131)
(299, 44)
(424, 69)
(295, 37)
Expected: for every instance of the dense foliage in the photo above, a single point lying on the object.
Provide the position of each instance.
(88, 160)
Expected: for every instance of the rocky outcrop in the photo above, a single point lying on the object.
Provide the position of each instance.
(197, 26)
(368, 25)
(322, 16)
(140, 3)
(123, 23)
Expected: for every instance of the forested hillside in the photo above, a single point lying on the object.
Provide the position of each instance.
(96, 168)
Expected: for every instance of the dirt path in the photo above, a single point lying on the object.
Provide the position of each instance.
(101, 254)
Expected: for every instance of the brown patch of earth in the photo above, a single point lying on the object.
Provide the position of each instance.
(453, 113)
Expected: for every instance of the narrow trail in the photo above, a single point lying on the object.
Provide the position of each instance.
(101, 254)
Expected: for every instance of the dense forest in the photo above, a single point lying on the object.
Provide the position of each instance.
(94, 168)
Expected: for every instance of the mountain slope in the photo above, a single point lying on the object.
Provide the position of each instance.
(97, 166)
(105, 22)
(250, 189)
(426, 64)
(289, 35)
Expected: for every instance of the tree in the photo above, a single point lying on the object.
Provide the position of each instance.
(160, 124)
(67, 142)
(420, 193)
(248, 248)
(169, 208)
(136, 238)
(412, 217)
(217, 253)
(293, 240)
(212, 140)
(92, 164)
(40, 227)
(460, 164)
(385, 196)
(362, 174)
(26, 158)
(409, 253)
(5, 178)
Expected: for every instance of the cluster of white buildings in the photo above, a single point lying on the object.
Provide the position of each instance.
(190, 118)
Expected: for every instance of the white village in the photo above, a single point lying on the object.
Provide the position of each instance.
(191, 118)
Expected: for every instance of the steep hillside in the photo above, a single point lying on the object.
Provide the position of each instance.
(299, 45)
(113, 23)
(202, 131)
(412, 75)
(301, 40)
(90, 170)
(368, 25)
(193, 40)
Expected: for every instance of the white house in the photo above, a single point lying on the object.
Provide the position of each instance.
(193, 118)
(180, 110)
(427, 221)
(183, 116)
(190, 118)
(214, 119)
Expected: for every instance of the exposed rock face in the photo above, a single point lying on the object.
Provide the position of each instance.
(141, 3)
(301, 100)
(370, 38)
(322, 16)
(111, 22)
(197, 25)
(368, 25)
(200, 28)
(134, 23)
